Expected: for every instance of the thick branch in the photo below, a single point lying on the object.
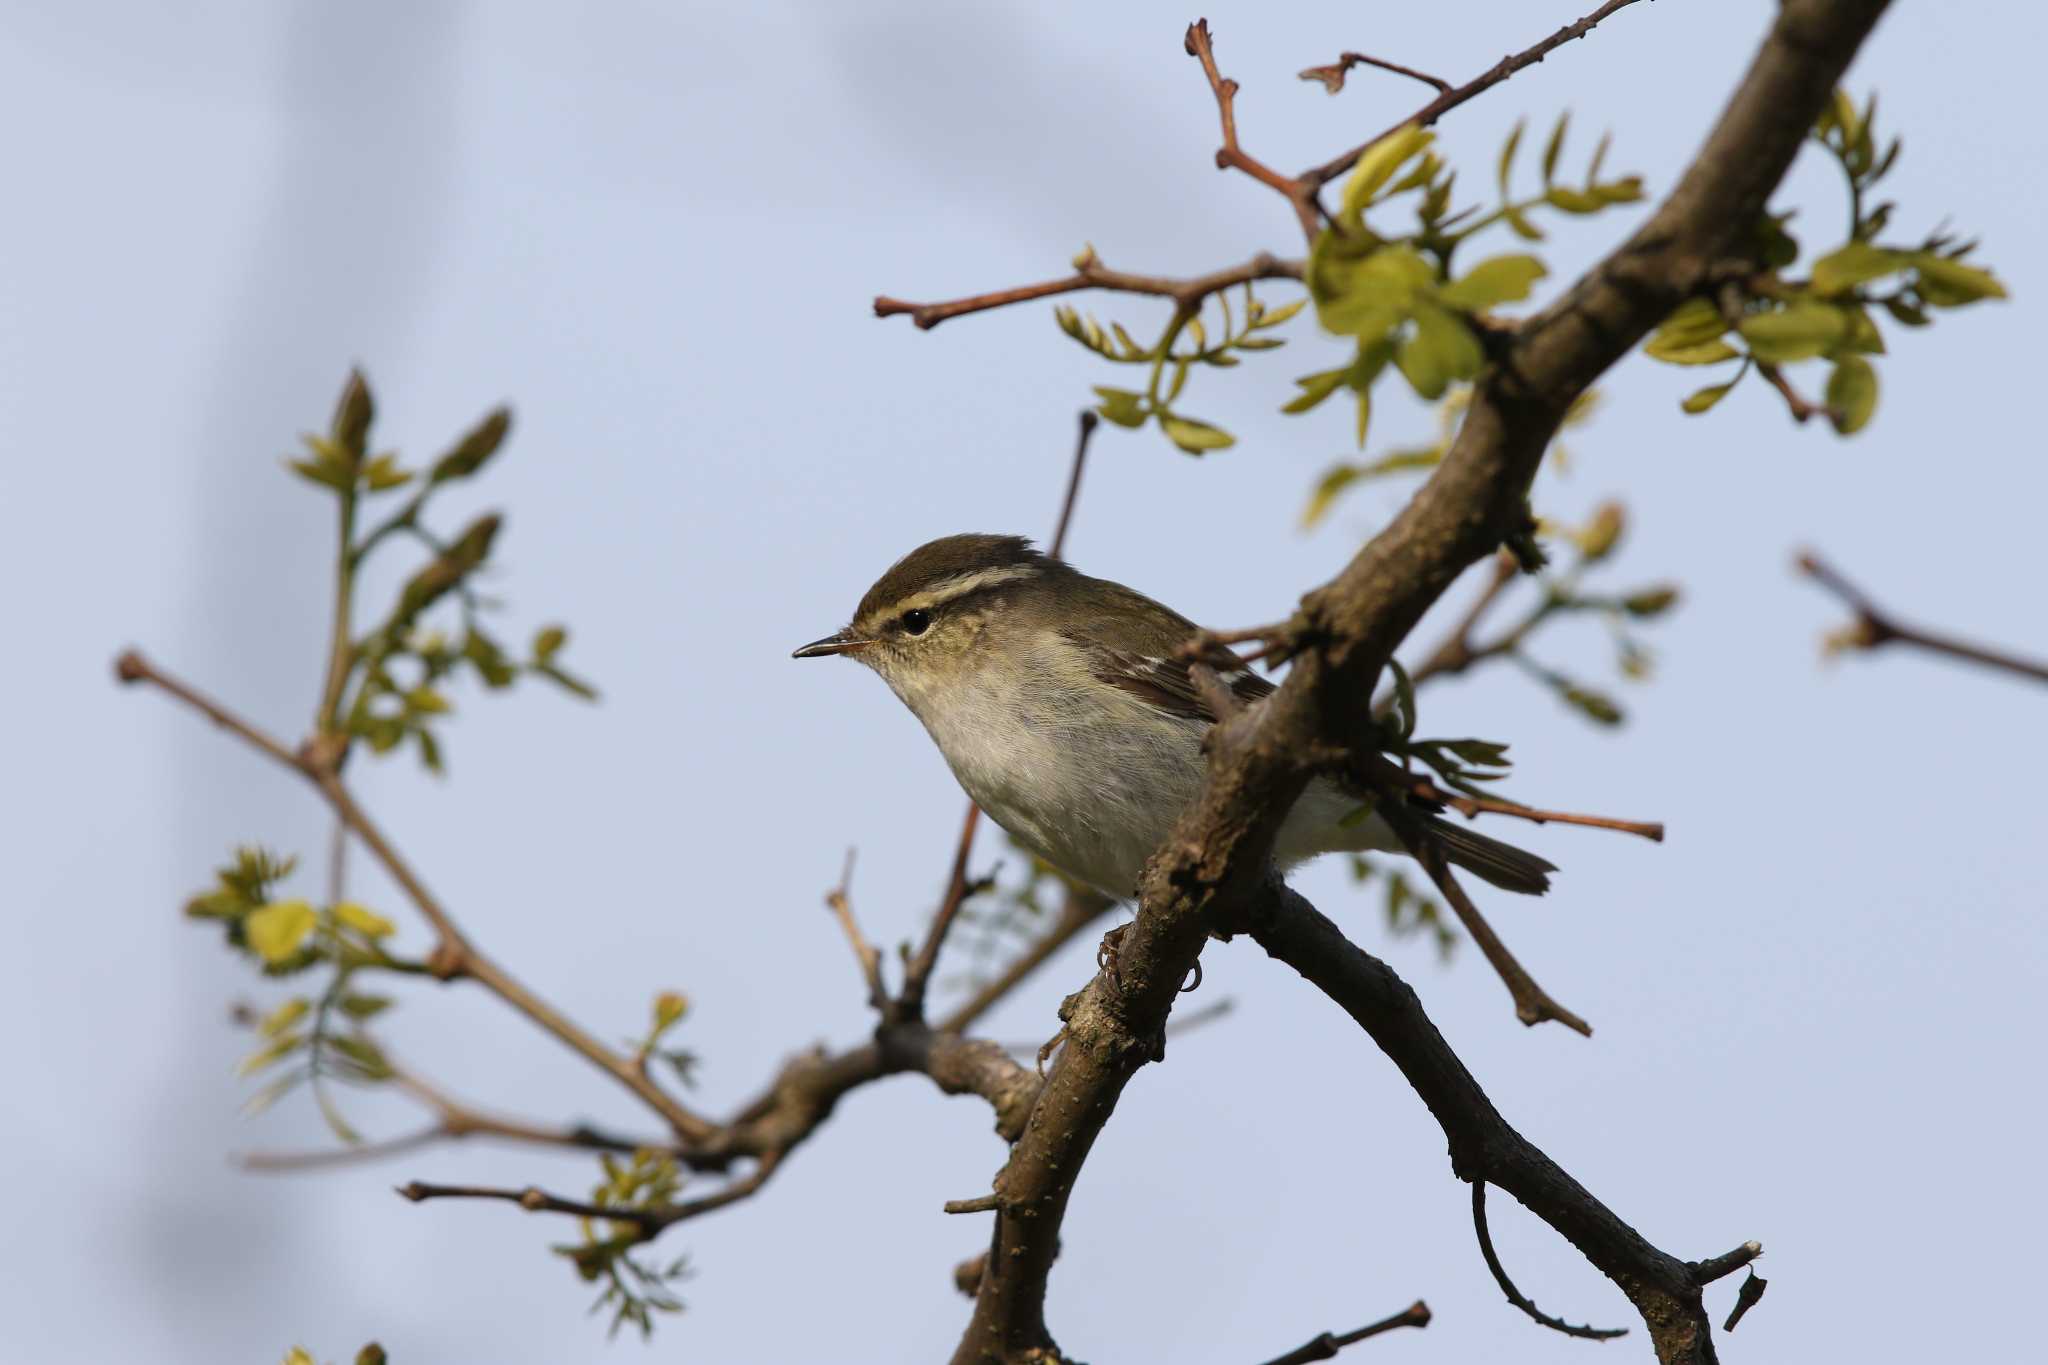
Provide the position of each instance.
(1261, 758)
(1483, 1145)
(1874, 627)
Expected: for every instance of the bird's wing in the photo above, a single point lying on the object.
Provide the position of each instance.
(1165, 682)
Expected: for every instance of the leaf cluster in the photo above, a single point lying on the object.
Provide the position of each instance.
(634, 1288)
(1397, 295)
(1169, 367)
(1771, 319)
(305, 1039)
(389, 683)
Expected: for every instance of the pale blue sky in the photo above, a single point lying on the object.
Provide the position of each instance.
(656, 229)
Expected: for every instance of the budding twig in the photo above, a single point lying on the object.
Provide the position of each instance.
(1874, 626)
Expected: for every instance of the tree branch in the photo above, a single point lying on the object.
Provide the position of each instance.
(1452, 97)
(1483, 1145)
(1533, 1004)
(454, 956)
(1215, 862)
(1298, 193)
(1092, 274)
(1326, 1345)
(1875, 627)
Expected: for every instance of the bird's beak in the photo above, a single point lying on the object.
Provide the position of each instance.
(844, 642)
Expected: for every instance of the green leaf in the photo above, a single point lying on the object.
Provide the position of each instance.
(1572, 201)
(1596, 706)
(426, 701)
(360, 1007)
(1705, 353)
(1494, 281)
(270, 1054)
(276, 930)
(1314, 389)
(372, 1354)
(1519, 221)
(364, 920)
(353, 413)
(1364, 289)
(364, 1053)
(477, 445)
(1650, 602)
(298, 1355)
(383, 472)
(1798, 331)
(1441, 349)
(1121, 406)
(1275, 316)
(548, 642)
(669, 1009)
(321, 471)
(1555, 147)
(279, 1020)
(1193, 436)
(1507, 157)
(1852, 394)
(568, 682)
(1320, 499)
(1699, 400)
(1842, 270)
(1376, 165)
(1692, 323)
(1951, 284)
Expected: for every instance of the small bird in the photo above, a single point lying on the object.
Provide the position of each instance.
(1065, 710)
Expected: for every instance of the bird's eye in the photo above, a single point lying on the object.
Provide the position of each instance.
(915, 621)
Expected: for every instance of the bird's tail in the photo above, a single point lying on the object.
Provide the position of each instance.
(1490, 860)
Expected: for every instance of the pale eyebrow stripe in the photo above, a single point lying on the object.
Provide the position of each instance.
(952, 589)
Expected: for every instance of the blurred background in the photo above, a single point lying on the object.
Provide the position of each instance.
(656, 229)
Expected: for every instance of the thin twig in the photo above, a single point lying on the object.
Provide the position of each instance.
(1186, 293)
(1801, 408)
(1326, 1345)
(650, 1221)
(980, 1203)
(1420, 786)
(1298, 193)
(1456, 652)
(1874, 627)
(1332, 76)
(839, 900)
(1533, 1004)
(958, 889)
(1450, 99)
(1515, 1295)
(1088, 422)
(1727, 1263)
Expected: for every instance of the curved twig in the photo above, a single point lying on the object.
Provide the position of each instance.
(1507, 1286)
